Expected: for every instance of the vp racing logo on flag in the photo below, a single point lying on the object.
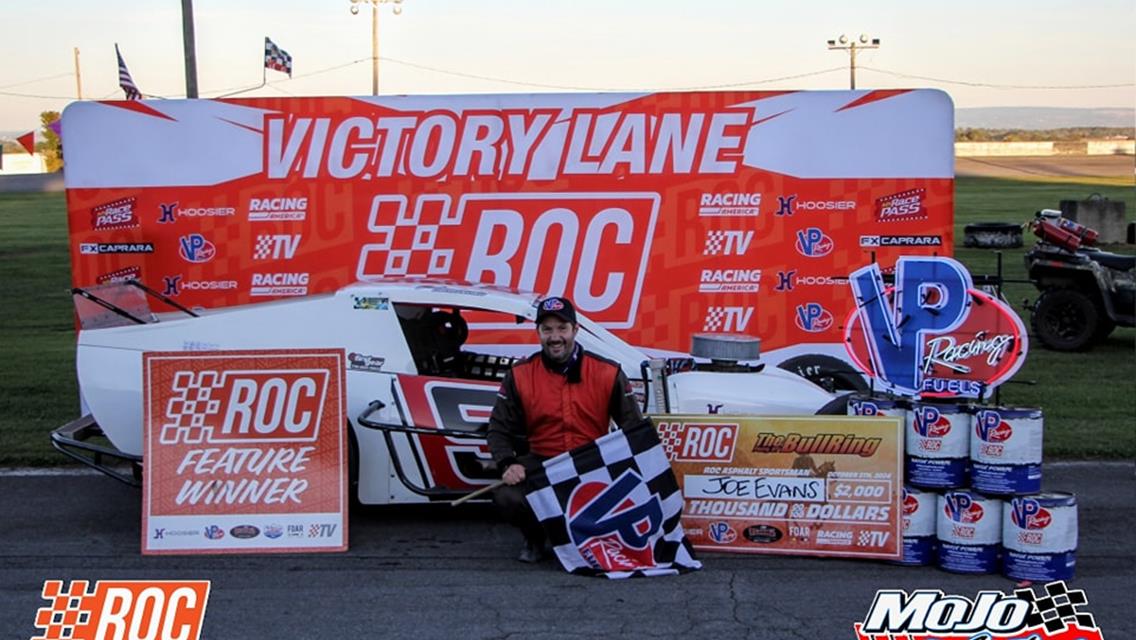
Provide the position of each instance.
(118, 609)
(1059, 613)
(613, 524)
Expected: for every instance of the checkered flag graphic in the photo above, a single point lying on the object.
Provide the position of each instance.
(1057, 608)
(864, 539)
(715, 242)
(407, 235)
(67, 609)
(612, 507)
(670, 435)
(187, 412)
(715, 319)
(263, 248)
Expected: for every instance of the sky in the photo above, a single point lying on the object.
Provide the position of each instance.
(984, 54)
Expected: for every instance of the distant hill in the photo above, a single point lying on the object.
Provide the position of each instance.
(1042, 117)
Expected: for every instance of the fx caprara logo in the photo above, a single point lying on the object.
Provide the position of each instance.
(1058, 613)
(122, 609)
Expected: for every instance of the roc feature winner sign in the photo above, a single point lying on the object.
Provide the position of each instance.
(739, 208)
(245, 451)
(815, 485)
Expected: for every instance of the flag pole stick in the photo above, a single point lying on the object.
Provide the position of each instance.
(471, 496)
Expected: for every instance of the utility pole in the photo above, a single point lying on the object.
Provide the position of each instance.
(78, 78)
(190, 48)
(375, 34)
(852, 46)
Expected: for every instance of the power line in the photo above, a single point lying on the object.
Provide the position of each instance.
(18, 84)
(990, 85)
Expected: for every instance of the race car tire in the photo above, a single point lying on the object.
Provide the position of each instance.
(992, 235)
(832, 374)
(836, 407)
(1065, 320)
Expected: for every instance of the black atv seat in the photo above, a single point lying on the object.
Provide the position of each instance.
(1113, 260)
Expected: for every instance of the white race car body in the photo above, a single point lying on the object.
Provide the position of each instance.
(370, 320)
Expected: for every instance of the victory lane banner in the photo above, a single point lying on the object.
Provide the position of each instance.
(245, 452)
(802, 485)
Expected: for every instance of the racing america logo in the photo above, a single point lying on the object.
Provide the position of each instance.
(613, 524)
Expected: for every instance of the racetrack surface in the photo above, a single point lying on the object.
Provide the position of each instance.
(438, 572)
(1045, 167)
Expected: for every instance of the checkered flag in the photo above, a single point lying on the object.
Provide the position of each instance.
(613, 507)
(276, 58)
(1057, 608)
(715, 319)
(263, 248)
(715, 241)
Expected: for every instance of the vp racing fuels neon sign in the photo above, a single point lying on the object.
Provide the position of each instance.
(933, 333)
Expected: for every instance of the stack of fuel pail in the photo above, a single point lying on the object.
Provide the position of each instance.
(972, 501)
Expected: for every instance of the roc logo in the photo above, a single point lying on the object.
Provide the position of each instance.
(590, 247)
(989, 426)
(694, 442)
(722, 533)
(196, 248)
(813, 243)
(929, 422)
(1059, 613)
(962, 508)
(1027, 513)
(122, 609)
(613, 524)
(282, 405)
(813, 318)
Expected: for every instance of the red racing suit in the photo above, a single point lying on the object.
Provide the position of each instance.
(545, 411)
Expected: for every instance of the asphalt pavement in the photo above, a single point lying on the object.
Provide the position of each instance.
(441, 572)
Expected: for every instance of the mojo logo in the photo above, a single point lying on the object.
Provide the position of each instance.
(721, 532)
(613, 525)
(813, 318)
(698, 442)
(196, 248)
(929, 422)
(989, 426)
(933, 333)
(1027, 513)
(813, 243)
(282, 405)
(925, 614)
(122, 609)
(962, 508)
(590, 247)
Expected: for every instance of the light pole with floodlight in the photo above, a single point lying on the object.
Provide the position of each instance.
(375, 34)
(852, 46)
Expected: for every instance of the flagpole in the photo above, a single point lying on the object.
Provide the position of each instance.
(190, 48)
(78, 78)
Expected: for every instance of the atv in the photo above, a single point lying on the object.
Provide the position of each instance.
(1085, 292)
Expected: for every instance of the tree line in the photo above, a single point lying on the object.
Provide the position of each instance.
(1067, 134)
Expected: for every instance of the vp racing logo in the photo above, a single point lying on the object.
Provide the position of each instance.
(613, 525)
(1059, 613)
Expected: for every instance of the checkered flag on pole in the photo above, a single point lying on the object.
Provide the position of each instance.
(276, 58)
(613, 507)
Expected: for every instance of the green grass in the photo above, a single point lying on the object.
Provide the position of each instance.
(1089, 398)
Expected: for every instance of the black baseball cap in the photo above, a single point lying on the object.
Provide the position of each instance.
(560, 307)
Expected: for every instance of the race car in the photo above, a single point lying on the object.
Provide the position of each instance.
(418, 390)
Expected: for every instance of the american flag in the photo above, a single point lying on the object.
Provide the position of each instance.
(276, 58)
(124, 80)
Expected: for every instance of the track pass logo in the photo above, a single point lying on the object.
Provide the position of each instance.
(1058, 613)
(122, 609)
(613, 525)
(932, 333)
